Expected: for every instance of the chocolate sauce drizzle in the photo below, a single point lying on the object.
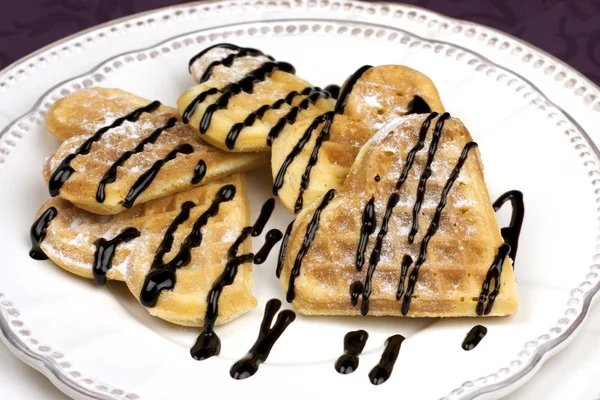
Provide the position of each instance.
(354, 343)
(418, 106)
(267, 336)
(367, 228)
(64, 170)
(283, 249)
(105, 251)
(199, 172)
(356, 289)
(37, 233)
(326, 118)
(265, 213)
(376, 252)
(494, 273)
(406, 262)
(473, 338)
(162, 275)
(110, 175)
(437, 133)
(334, 90)
(512, 232)
(311, 231)
(382, 371)
(228, 61)
(147, 177)
(227, 46)
(314, 94)
(433, 226)
(271, 239)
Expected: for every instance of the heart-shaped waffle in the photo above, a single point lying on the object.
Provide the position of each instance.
(315, 155)
(120, 149)
(411, 232)
(245, 99)
(169, 251)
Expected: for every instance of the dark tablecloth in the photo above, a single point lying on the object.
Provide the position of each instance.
(568, 29)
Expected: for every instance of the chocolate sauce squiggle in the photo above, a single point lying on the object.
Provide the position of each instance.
(382, 371)
(511, 233)
(162, 275)
(147, 177)
(265, 214)
(228, 61)
(406, 262)
(283, 249)
(64, 170)
(267, 336)
(437, 133)
(433, 226)
(110, 175)
(199, 172)
(271, 239)
(105, 252)
(367, 228)
(473, 338)
(311, 231)
(37, 233)
(494, 273)
(227, 46)
(354, 344)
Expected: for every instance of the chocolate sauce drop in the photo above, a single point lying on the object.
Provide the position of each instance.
(418, 106)
(37, 233)
(377, 178)
(356, 289)
(494, 273)
(376, 252)
(334, 90)
(437, 133)
(433, 226)
(512, 232)
(265, 213)
(367, 228)
(311, 231)
(267, 336)
(406, 262)
(474, 336)
(199, 172)
(382, 371)
(271, 239)
(354, 343)
(110, 176)
(283, 249)
(105, 251)
(147, 177)
(64, 171)
(162, 275)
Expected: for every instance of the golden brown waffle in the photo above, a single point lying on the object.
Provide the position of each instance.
(458, 255)
(376, 95)
(77, 117)
(254, 109)
(71, 236)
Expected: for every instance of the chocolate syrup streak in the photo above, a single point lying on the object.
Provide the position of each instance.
(246, 84)
(110, 176)
(376, 252)
(313, 96)
(147, 177)
(227, 46)
(267, 336)
(512, 232)
(326, 118)
(191, 108)
(37, 233)
(228, 61)
(283, 249)
(311, 231)
(418, 106)
(208, 343)
(433, 226)
(382, 371)
(199, 172)
(421, 189)
(265, 213)
(271, 239)
(105, 252)
(162, 275)
(473, 338)
(494, 273)
(64, 171)
(406, 262)
(367, 228)
(356, 289)
(354, 343)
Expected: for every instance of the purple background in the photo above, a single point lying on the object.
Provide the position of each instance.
(568, 29)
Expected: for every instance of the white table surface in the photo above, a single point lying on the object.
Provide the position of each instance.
(573, 374)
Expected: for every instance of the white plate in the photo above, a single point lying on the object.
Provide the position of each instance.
(528, 112)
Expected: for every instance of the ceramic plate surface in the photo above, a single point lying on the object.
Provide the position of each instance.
(531, 115)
